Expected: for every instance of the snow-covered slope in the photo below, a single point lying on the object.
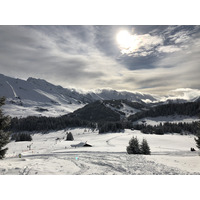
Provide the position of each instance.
(163, 119)
(106, 94)
(125, 108)
(36, 97)
(52, 154)
(39, 97)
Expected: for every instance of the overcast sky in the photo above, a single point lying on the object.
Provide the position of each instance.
(153, 59)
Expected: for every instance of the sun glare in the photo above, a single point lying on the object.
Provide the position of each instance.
(124, 39)
(128, 43)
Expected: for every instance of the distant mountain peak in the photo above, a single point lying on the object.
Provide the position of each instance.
(35, 92)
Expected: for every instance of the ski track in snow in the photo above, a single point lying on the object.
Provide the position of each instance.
(93, 164)
(112, 138)
(108, 141)
(12, 88)
(104, 158)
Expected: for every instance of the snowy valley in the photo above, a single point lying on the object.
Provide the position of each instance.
(50, 153)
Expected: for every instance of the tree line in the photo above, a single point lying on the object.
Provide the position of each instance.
(33, 123)
(113, 127)
(21, 137)
(189, 109)
(4, 135)
(162, 128)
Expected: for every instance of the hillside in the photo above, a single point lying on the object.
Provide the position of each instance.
(125, 107)
(37, 97)
(185, 109)
(99, 112)
(96, 111)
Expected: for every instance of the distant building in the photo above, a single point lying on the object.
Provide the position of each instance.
(87, 145)
(81, 144)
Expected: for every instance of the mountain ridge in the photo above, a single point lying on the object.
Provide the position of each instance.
(41, 98)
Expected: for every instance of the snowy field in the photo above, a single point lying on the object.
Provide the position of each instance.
(50, 110)
(163, 119)
(51, 154)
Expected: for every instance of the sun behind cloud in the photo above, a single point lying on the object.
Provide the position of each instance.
(124, 39)
(127, 42)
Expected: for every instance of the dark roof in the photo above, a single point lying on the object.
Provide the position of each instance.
(87, 145)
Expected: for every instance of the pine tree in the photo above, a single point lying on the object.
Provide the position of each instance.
(133, 147)
(197, 140)
(144, 147)
(4, 136)
(21, 137)
(70, 136)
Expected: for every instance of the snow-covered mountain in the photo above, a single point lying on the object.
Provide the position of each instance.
(106, 94)
(39, 97)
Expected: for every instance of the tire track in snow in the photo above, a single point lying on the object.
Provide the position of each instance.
(92, 163)
(25, 171)
(102, 164)
(108, 141)
(110, 167)
(83, 168)
(139, 165)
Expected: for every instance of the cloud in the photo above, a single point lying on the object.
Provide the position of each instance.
(62, 55)
(141, 45)
(88, 57)
(168, 49)
(183, 93)
(169, 66)
(162, 39)
(179, 69)
(184, 35)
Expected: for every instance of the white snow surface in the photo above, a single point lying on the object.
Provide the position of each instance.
(24, 97)
(37, 97)
(51, 154)
(12, 88)
(171, 119)
(51, 110)
(127, 110)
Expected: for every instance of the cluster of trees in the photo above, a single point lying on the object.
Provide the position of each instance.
(189, 109)
(110, 127)
(105, 127)
(136, 148)
(33, 123)
(197, 139)
(69, 136)
(168, 128)
(4, 135)
(21, 137)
